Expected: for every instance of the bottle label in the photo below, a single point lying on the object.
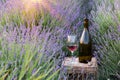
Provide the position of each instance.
(85, 58)
(85, 37)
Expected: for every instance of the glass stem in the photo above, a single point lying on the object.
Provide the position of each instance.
(72, 55)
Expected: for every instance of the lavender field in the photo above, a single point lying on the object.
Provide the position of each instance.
(33, 35)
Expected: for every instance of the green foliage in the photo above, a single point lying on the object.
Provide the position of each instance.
(3, 20)
(48, 20)
(107, 40)
(108, 56)
(34, 65)
(3, 1)
(17, 65)
(118, 15)
(16, 19)
(104, 20)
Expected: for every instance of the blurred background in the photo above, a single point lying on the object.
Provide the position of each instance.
(33, 35)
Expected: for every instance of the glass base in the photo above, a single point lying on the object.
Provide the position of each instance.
(72, 61)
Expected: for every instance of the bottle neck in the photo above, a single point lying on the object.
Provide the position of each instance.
(86, 23)
(86, 27)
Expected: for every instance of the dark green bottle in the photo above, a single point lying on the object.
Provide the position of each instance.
(85, 45)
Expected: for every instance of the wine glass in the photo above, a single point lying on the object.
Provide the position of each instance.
(72, 44)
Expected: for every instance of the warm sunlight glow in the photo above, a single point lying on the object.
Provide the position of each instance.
(32, 7)
(32, 4)
(36, 1)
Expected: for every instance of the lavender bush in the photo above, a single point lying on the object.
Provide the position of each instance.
(33, 53)
(107, 39)
(22, 12)
(32, 36)
(26, 54)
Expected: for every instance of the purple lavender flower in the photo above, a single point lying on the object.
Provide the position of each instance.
(0, 52)
(118, 28)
